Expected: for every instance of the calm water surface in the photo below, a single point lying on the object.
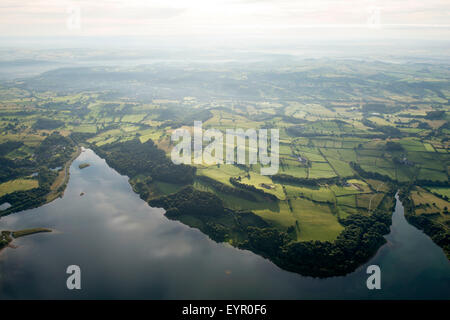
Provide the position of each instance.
(127, 249)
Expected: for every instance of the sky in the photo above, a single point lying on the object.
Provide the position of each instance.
(269, 19)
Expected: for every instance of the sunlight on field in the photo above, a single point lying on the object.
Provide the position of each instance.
(18, 185)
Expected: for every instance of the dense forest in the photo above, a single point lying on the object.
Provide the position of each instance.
(132, 158)
(218, 222)
(54, 151)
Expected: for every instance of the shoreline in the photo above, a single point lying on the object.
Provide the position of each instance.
(55, 193)
(7, 237)
(57, 189)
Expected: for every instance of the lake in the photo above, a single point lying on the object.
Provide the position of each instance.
(126, 249)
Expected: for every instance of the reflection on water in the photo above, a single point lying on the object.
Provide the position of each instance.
(128, 250)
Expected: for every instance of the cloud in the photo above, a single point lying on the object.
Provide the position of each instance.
(211, 17)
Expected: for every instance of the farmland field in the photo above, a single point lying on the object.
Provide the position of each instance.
(342, 158)
(17, 185)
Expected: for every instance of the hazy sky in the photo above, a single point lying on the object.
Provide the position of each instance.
(271, 18)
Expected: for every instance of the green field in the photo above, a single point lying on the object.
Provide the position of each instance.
(346, 146)
(316, 222)
(441, 191)
(18, 185)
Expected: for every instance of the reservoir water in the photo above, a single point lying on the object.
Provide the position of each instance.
(126, 249)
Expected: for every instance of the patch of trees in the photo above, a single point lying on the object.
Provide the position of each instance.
(430, 115)
(171, 124)
(202, 115)
(11, 128)
(5, 238)
(185, 118)
(47, 124)
(55, 150)
(16, 113)
(79, 137)
(368, 174)
(165, 114)
(189, 201)
(11, 169)
(424, 125)
(220, 187)
(46, 177)
(381, 108)
(433, 183)
(436, 231)
(299, 131)
(247, 218)
(375, 107)
(393, 146)
(285, 178)
(22, 200)
(388, 131)
(266, 241)
(132, 158)
(9, 146)
(235, 182)
(444, 197)
(289, 119)
(435, 115)
(218, 222)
